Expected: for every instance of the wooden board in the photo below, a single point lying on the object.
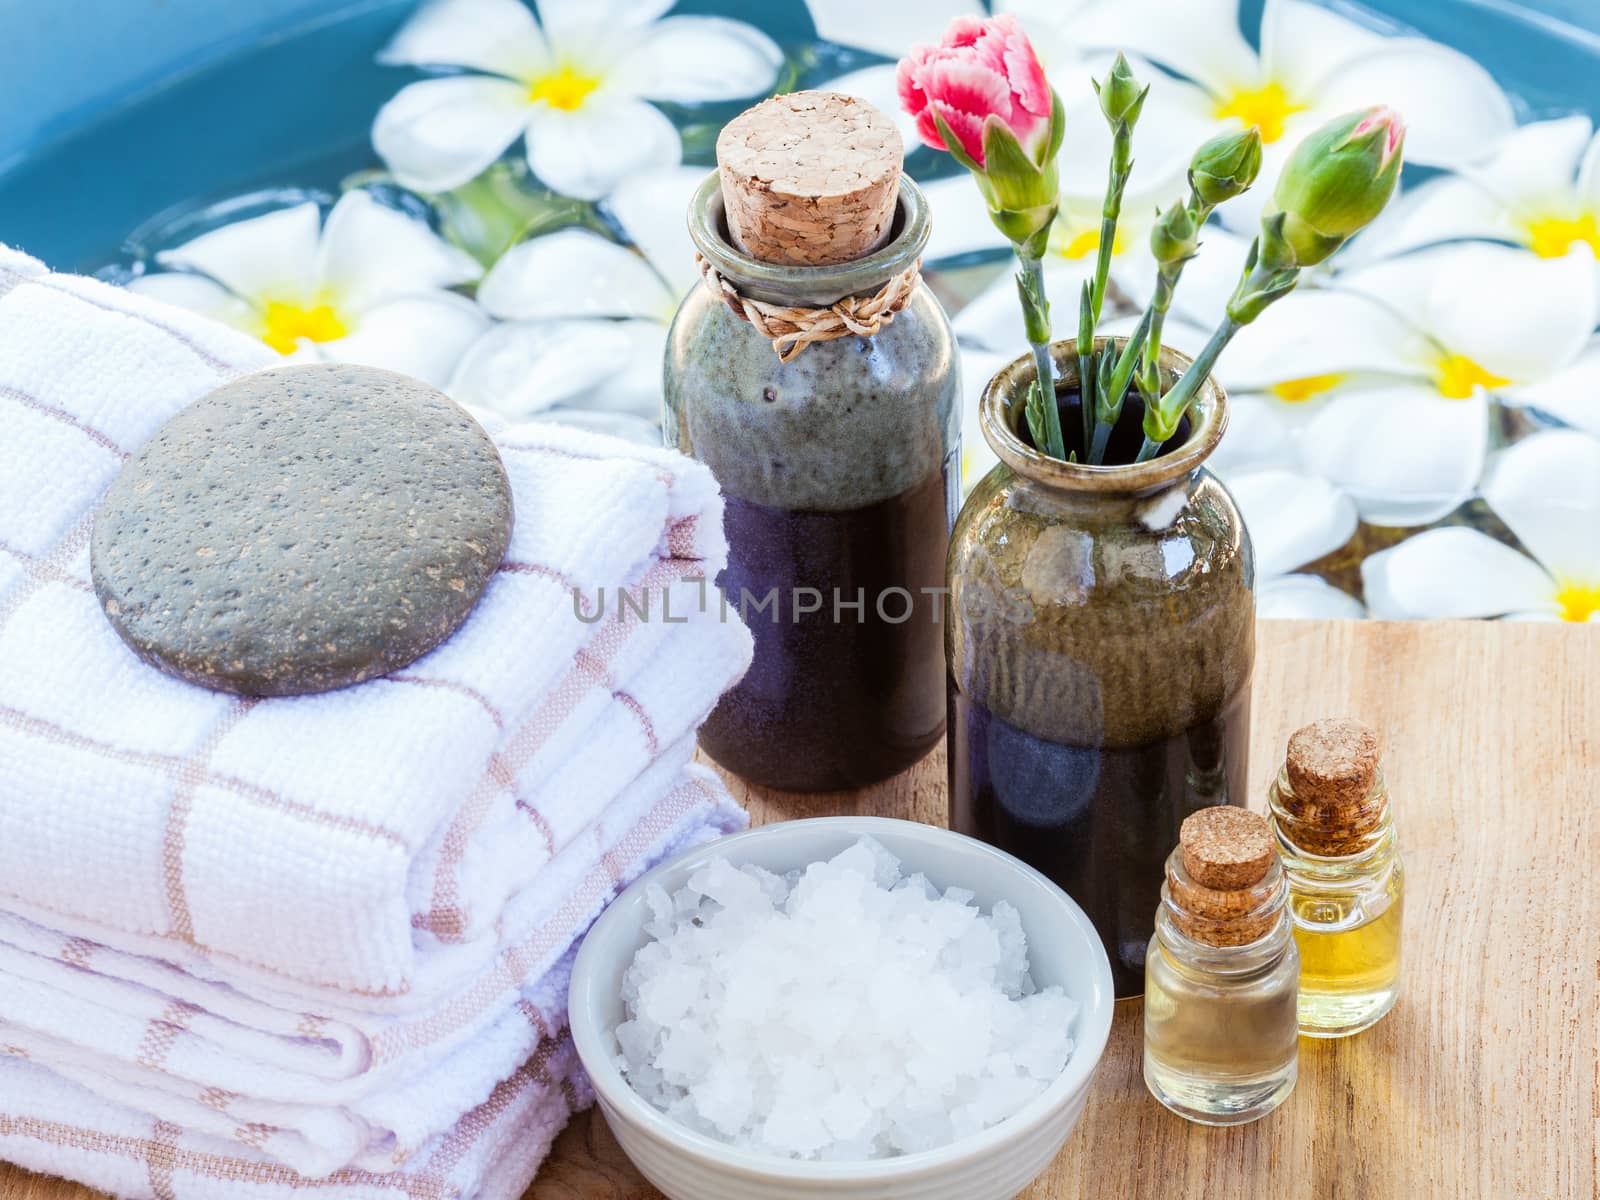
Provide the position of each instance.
(1485, 1079)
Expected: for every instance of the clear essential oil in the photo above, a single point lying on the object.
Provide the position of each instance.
(1336, 837)
(1220, 1037)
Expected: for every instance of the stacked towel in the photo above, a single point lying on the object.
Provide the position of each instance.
(257, 947)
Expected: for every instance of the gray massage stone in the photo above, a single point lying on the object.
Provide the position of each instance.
(301, 529)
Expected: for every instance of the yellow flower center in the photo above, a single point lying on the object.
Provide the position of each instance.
(1082, 245)
(564, 88)
(1298, 391)
(283, 325)
(1459, 376)
(1266, 107)
(1578, 601)
(1552, 237)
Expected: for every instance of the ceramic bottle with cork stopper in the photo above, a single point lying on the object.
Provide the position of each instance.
(1336, 837)
(1220, 1039)
(816, 375)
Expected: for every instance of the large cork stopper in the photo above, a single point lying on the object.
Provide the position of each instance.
(810, 178)
(1227, 893)
(1333, 772)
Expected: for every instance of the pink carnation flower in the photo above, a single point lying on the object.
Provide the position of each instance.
(982, 68)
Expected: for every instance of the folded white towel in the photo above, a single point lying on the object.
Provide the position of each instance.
(316, 931)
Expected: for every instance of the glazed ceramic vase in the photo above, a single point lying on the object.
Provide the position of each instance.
(840, 476)
(1101, 634)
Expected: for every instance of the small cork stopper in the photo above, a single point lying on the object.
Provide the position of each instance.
(1332, 768)
(1334, 761)
(1223, 894)
(810, 178)
(1225, 847)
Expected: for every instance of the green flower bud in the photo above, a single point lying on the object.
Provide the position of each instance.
(1226, 166)
(1175, 236)
(1121, 94)
(1334, 184)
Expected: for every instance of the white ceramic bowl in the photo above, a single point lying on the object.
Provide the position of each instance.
(996, 1164)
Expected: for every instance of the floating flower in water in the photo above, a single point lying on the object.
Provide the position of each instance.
(1381, 383)
(1541, 189)
(366, 286)
(1547, 490)
(1313, 65)
(584, 320)
(578, 87)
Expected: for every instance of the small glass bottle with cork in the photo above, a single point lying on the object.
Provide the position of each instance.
(1336, 837)
(1220, 1037)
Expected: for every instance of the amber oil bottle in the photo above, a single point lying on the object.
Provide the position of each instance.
(1335, 834)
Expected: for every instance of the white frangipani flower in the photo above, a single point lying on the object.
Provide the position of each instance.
(578, 87)
(584, 320)
(1313, 65)
(366, 286)
(1547, 490)
(1540, 189)
(1396, 364)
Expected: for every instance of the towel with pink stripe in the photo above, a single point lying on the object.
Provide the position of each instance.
(320, 944)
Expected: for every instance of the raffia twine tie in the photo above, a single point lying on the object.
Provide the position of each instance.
(792, 328)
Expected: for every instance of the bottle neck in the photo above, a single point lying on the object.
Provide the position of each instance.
(1223, 933)
(1332, 840)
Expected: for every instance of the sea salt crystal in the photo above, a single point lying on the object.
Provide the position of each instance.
(847, 1011)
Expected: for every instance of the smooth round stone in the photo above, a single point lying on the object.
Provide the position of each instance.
(301, 529)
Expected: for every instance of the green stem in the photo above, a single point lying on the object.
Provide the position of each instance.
(1110, 404)
(1176, 402)
(1116, 181)
(1047, 428)
(1161, 302)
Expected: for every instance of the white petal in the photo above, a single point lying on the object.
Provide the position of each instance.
(692, 59)
(500, 36)
(1440, 210)
(587, 152)
(1261, 434)
(1571, 395)
(961, 222)
(273, 256)
(371, 252)
(1319, 332)
(422, 335)
(572, 273)
(616, 18)
(198, 294)
(1197, 38)
(1293, 518)
(1518, 315)
(1547, 490)
(1406, 456)
(1453, 572)
(636, 386)
(1454, 110)
(889, 28)
(441, 133)
(1305, 597)
(1537, 163)
(524, 367)
(876, 85)
(993, 320)
(653, 209)
(1301, 43)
